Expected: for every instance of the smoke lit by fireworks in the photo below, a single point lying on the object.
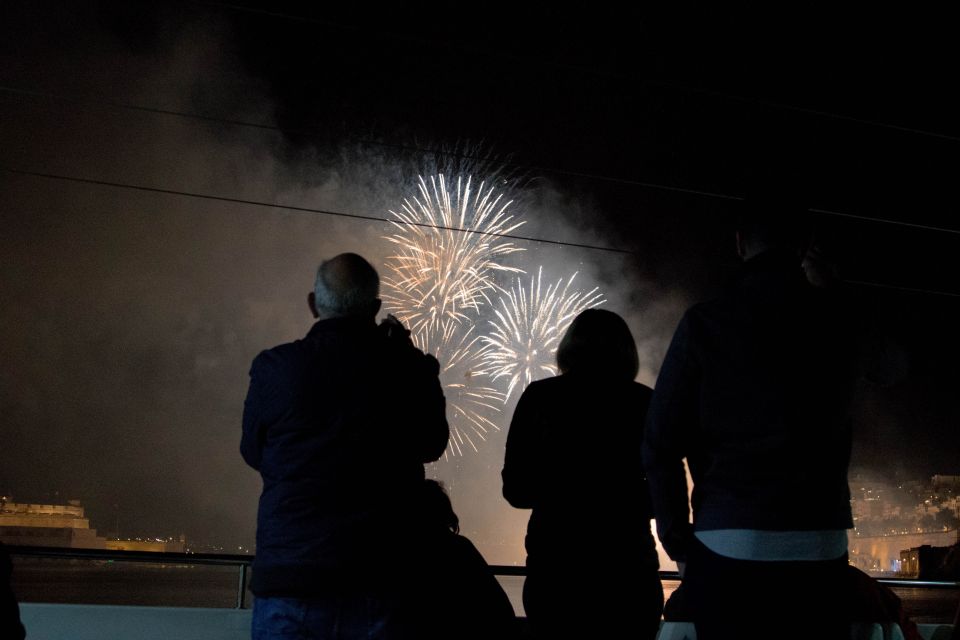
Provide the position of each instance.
(522, 345)
(440, 273)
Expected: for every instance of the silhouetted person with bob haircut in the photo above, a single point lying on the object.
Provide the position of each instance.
(755, 392)
(339, 424)
(572, 457)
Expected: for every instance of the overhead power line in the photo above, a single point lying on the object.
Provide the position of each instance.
(899, 223)
(422, 150)
(878, 285)
(312, 133)
(286, 207)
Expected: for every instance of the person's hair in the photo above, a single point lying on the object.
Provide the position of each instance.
(436, 507)
(346, 285)
(600, 342)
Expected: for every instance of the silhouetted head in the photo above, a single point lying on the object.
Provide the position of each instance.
(346, 285)
(770, 218)
(436, 508)
(599, 342)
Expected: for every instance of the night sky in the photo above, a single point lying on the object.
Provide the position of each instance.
(129, 315)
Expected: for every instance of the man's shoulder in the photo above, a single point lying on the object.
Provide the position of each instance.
(698, 313)
(280, 354)
(726, 308)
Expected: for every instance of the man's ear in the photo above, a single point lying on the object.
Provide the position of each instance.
(741, 249)
(312, 302)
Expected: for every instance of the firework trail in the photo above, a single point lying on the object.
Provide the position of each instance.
(522, 344)
(440, 272)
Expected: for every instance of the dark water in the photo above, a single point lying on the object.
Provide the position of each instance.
(130, 583)
(184, 585)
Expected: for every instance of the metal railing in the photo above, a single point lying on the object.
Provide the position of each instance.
(243, 562)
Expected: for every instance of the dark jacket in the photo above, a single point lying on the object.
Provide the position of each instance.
(339, 425)
(571, 456)
(755, 392)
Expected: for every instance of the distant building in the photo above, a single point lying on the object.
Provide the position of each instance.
(64, 525)
(47, 525)
(883, 553)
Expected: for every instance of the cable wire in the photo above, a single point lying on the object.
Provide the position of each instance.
(364, 141)
(286, 207)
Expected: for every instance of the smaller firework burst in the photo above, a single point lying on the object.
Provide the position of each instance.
(473, 404)
(523, 340)
(470, 407)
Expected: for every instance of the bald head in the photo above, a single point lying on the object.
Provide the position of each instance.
(346, 285)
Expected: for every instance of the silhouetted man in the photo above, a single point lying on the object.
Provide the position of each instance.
(754, 392)
(339, 425)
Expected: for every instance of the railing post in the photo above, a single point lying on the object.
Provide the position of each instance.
(242, 587)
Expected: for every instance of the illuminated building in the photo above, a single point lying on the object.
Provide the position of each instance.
(47, 525)
(64, 525)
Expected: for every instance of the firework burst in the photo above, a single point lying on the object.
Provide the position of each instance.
(448, 241)
(522, 343)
